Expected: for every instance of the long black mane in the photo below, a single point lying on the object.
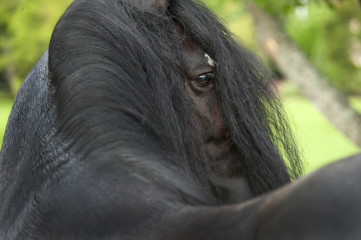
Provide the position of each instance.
(117, 71)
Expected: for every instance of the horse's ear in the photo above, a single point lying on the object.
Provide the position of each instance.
(151, 5)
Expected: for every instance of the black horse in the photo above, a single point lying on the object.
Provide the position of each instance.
(146, 120)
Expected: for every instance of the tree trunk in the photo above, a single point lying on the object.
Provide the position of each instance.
(299, 70)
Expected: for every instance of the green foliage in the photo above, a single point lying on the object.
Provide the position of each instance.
(237, 19)
(280, 6)
(286, 6)
(327, 39)
(25, 28)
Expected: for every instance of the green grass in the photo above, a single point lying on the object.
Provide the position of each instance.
(320, 141)
(5, 107)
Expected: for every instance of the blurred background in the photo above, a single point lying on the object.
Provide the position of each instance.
(313, 47)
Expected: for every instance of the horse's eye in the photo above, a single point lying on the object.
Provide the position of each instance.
(204, 80)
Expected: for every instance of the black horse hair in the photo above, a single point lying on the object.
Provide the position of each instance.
(118, 76)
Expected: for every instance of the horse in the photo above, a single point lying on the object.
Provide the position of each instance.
(146, 119)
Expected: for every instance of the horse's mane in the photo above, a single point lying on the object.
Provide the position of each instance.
(117, 71)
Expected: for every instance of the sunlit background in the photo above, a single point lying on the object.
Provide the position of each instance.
(327, 32)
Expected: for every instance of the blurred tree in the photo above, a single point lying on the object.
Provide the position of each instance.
(336, 48)
(297, 68)
(284, 7)
(25, 30)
